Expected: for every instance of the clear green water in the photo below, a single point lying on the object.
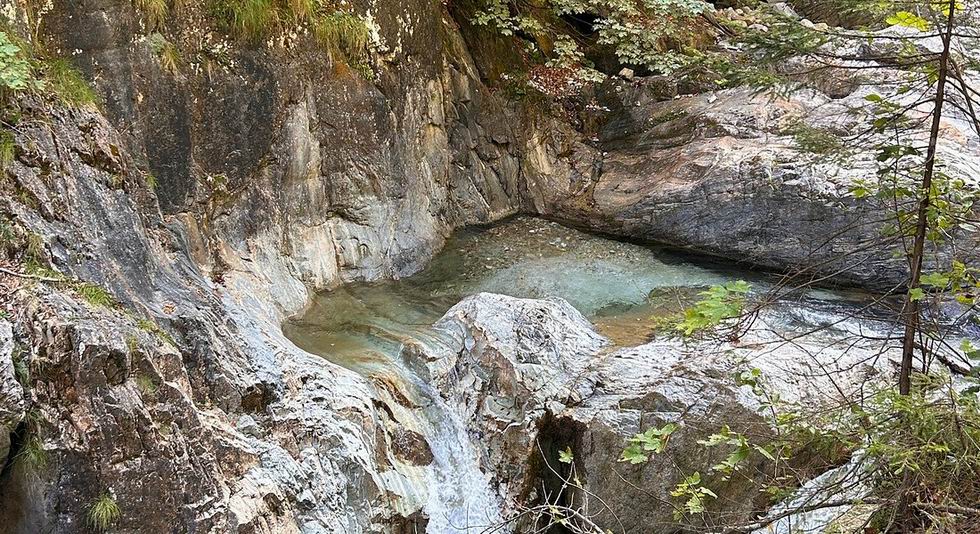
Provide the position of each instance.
(615, 284)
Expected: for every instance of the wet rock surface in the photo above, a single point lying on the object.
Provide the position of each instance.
(533, 377)
(272, 176)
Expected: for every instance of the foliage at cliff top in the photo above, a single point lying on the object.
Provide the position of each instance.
(643, 33)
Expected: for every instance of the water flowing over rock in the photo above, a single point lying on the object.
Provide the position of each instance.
(191, 409)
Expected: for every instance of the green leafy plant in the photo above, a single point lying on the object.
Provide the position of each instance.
(103, 512)
(16, 72)
(909, 20)
(648, 34)
(741, 451)
(653, 440)
(694, 495)
(718, 303)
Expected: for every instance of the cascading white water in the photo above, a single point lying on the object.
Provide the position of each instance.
(461, 499)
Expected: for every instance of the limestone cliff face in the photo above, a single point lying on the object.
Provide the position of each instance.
(279, 170)
(274, 153)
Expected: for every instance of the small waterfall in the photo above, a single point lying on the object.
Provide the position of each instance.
(461, 499)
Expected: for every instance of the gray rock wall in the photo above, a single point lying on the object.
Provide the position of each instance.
(279, 171)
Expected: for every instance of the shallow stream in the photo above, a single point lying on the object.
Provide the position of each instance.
(622, 287)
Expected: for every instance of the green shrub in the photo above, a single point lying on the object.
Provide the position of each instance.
(103, 512)
(719, 303)
(815, 140)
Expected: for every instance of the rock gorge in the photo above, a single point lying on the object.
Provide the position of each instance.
(213, 201)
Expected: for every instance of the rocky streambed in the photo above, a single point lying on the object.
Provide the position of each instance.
(563, 339)
(207, 206)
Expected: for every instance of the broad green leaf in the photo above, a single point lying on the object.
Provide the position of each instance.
(634, 455)
(909, 20)
(935, 279)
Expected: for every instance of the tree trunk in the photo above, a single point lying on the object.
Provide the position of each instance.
(912, 309)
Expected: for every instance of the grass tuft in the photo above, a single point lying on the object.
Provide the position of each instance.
(166, 52)
(156, 11)
(32, 456)
(8, 145)
(103, 513)
(22, 365)
(147, 387)
(151, 180)
(95, 295)
(132, 344)
(251, 18)
(68, 83)
(149, 326)
(302, 9)
(342, 32)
